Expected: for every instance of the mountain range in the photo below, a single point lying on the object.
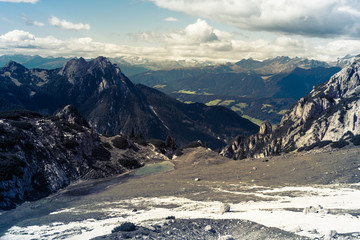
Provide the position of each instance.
(325, 118)
(246, 86)
(49, 63)
(112, 104)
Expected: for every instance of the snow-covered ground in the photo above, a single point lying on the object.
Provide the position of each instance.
(313, 211)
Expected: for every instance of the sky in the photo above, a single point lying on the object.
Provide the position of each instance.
(202, 30)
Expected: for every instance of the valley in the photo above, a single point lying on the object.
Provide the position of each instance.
(135, 159)
(268, 88)
(274, 192)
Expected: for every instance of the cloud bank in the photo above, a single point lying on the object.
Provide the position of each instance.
(316, 18)
(196, 41)
(63, 24)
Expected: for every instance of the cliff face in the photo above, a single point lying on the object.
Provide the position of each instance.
(328, 115)
(39, 155)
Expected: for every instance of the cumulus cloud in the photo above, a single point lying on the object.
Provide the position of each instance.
(202, 41)
(322, 18)
(218, 49)
(16, 36)
(20, 1)
(63, 24)
(171, 19)
(196, 33)
(336, 48)
(30, 22)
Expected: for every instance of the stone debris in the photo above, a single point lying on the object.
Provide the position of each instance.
(225, 207)
(318, 209)
(227, 237)
(209, 228)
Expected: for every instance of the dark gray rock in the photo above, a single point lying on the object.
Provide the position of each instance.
(198, 229)
(42, 154)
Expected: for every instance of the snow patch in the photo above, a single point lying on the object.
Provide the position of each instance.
(153, 110)
(283, 208)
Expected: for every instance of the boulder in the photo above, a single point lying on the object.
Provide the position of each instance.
(225, 207)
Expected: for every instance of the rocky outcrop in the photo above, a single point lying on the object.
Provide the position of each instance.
(71, 114)
(265, 129)
(328, 115)
(41, 154)
(247, 146)
(210, 229)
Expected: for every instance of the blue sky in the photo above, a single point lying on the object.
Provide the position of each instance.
(215, 30)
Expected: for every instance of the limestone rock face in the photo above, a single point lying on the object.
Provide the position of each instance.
(265, 128)
(329, 113)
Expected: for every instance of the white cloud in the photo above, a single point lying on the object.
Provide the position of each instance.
(306, 17)
(171, 19)
(30, 22)
(16, 36)
(197, 33)
(199, 47)
(349, 10)
(22, 42)
(337, 48)
(149, 37)
(39, 24)
(20, 1)
(63, 24)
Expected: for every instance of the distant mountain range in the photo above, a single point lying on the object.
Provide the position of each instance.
(293, 84)
(34, 61)
(49, 63)
(327, 117)
(113, 104)
(246, 86)
(257, 90)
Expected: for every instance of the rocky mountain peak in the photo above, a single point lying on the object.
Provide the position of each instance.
(71, 114)
(99, 73)
(346, 82)
(101, 62)
(12, 66)
(74, 68)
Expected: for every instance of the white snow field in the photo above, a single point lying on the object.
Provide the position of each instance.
(313, 211)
